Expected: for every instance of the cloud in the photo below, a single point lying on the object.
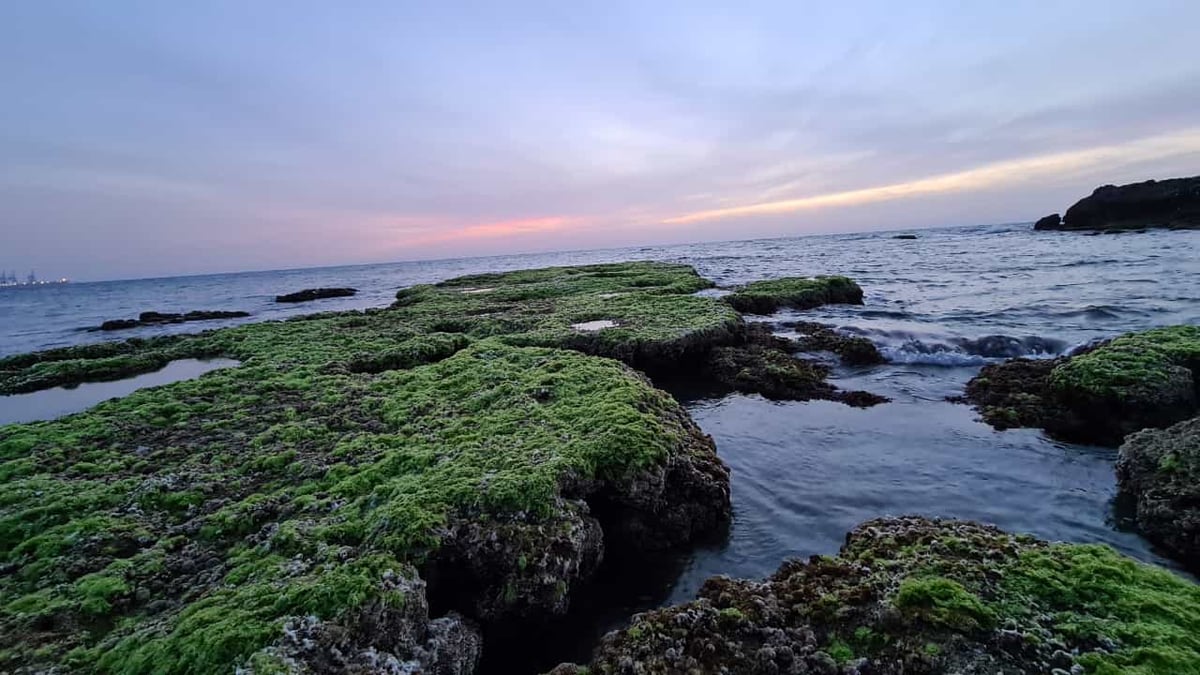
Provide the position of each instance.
(993, 176)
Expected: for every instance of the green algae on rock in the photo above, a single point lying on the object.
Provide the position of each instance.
(1160, 469)
(932, 596)
(1099, 395)
(181, 528)
(768, 297)
(288, 513)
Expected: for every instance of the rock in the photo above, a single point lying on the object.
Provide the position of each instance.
(380, 637)
(310, 294)
(159, 318)
(1050, 222)
(909, 595)
(1173, 204)
(852, 349)
(1160, 469)
(768, 297)
(452, 433)
(1099, 394)
(119, 324)
(905, 236)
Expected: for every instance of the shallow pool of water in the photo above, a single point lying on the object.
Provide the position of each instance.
(49, 404)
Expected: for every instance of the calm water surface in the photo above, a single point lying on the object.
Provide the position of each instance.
(803, 474)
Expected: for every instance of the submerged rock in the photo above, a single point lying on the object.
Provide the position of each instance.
(1100, 394)
(1160, 469)
(915, 595)
(310, 294)
(905, 236)
(1173, 203)
(853, 350)
(159, 318)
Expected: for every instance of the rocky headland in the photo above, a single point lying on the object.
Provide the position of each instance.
(1173, 204)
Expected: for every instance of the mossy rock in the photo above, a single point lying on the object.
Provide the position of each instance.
(1101, 394)
(179, 529)
(1160, 470)
(911, 595)
(768, 297)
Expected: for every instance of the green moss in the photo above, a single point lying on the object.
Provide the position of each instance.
(767, 297)
(943, 602)
(933, 595)
(840, 651)
(336, 452)
(1130, 363)
(493, 429)
(1096, 594)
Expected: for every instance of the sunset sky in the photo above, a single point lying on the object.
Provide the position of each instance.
(153, 138)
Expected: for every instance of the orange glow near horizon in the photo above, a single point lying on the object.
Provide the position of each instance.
(501, 228)
(993, 175)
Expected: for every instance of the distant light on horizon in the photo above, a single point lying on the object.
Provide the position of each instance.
(151, 139)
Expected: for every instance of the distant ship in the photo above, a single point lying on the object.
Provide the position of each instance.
(10, 279)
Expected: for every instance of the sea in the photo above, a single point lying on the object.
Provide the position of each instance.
(939, 306)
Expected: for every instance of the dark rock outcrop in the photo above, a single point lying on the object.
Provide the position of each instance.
(1050, 222)
(766, 364)
(1160, 469)
(160, 318)
(853, 350)
(905, 236)
(310, 294)
(1173, 203)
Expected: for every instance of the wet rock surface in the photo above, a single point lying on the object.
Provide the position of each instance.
(911, 594)
(853, 350)
(160, 318)
(310, 294)
(1173, 203)
(1160, 470)
(1099, 394)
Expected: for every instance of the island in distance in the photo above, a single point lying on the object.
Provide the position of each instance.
(1172, 204)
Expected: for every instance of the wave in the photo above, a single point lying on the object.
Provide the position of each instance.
(959, 351)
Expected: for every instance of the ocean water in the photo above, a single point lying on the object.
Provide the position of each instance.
(803, 474)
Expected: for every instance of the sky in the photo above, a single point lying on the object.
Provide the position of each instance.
(159, 138)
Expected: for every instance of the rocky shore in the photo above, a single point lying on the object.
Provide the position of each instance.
(1173, 204)
(466, 448)
(377, 491)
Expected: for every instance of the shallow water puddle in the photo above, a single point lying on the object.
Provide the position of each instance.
(592, 326)
(472, 291)
(50, 404)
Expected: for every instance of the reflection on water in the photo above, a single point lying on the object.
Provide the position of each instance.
(49, 404)
(804, 474)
